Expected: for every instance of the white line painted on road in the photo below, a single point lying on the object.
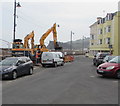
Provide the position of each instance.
(115, 81)
(36, 68)
(92, 76)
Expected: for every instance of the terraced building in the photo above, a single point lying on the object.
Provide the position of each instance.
(105, 34)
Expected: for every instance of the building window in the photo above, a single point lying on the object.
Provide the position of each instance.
(107, 40)
(103, 20)
(99, 31)
(92, 43)
(100, 41)
(109, 28)
(92, 36)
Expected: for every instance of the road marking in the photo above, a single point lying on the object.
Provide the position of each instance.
(115, 81)
(36, 68)
(92, 76)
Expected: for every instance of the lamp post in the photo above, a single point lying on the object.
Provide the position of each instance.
(15, 5)
(71, 41)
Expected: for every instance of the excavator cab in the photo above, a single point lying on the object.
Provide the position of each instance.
(17, 44)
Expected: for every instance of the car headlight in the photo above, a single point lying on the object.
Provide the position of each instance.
(110, 67)
(8, 69)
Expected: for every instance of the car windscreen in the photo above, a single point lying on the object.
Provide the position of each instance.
(115, 60)
(103, 55)
(111, 57)
(46, 56)
(106, 58)
(8, 62)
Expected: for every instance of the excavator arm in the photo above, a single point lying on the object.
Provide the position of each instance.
(44, 36)
(56, 45)
(52, 29)
(26, 39)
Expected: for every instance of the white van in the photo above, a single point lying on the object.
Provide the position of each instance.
(52, 58)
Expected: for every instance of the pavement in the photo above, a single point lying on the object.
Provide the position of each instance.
(74, 83)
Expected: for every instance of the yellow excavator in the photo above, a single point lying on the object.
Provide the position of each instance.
(42, 45)
(27, 38)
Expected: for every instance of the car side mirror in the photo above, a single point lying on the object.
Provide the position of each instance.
(19, 63)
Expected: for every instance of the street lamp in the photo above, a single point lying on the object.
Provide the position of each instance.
(71, 41)
(15, 5)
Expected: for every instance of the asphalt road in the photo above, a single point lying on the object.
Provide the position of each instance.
(73, 83)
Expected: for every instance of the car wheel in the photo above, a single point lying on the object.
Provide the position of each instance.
(118, 74)
(30, 71)
(43, 65)
(55, 64)
(14, 75)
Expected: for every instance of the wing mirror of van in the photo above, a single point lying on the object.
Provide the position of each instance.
(61, 57)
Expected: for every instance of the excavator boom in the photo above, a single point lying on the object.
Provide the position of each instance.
(26, 39)
(52, 29)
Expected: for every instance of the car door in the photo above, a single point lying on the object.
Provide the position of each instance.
(20, 67)
(28, 65)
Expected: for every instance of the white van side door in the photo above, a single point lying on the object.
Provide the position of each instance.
(60, 59)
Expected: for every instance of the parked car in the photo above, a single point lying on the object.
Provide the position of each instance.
(98, 58)
(13, 67)
(108, 58)
(52, 58)
(111, 68)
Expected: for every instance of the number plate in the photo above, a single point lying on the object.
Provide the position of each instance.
(100, 71)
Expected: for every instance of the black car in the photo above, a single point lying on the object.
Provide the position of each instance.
(13, 67)
(108, 58)
(98, 58)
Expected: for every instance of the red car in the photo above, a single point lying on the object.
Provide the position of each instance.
(111, 68)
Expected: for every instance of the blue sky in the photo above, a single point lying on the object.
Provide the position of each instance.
(40, 16)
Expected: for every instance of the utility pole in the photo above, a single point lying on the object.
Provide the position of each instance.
(83, 45)
(71, 41)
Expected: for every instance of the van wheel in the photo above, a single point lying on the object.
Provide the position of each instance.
(118, 74)
(55, 64)
(14, 75)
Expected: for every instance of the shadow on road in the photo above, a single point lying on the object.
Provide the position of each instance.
(108, 78)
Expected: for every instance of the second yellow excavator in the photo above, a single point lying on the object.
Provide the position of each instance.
(45, 35)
